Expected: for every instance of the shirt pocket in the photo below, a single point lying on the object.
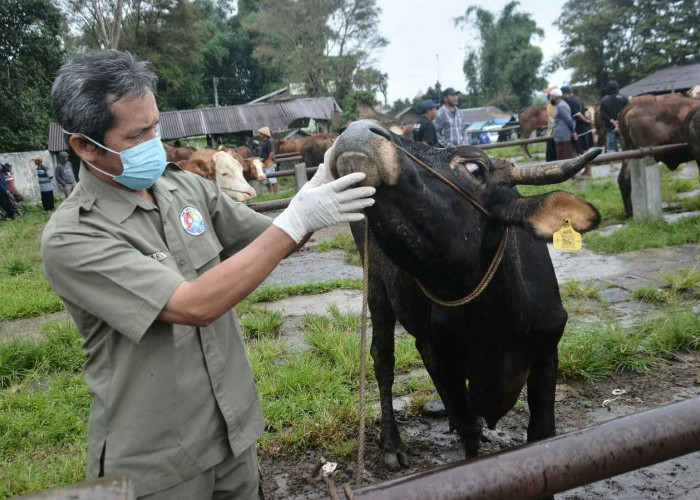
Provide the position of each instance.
(204, 252)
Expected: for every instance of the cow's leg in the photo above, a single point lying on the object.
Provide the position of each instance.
(541, 387)
(382, 350)
(450, 382)
(624, 180)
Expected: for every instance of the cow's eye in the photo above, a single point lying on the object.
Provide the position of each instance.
(475, 169)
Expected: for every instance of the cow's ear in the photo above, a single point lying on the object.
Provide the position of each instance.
(544, 214)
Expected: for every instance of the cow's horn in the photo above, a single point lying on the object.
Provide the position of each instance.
(553, 174)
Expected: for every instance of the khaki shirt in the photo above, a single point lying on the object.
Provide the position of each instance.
(169, 400)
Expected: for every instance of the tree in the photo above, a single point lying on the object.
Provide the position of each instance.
(320, 43)
(503, 70)
(226, 54)
(626, 39)
(99, 19)
(31, 52)
(372, 80)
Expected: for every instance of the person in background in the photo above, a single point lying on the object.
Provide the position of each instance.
(424, 128)
(564, 126)
(449, 123)
(5, 202)
(248, 142)
(45, 184)
(550, 151)
(15, 196)
(584, 128)
(610, 106)
(267, 154)
(64, 174)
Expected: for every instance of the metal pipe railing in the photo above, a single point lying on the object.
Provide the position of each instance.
(267, 206)
(621, 155)
(518, 142)
(557, 464)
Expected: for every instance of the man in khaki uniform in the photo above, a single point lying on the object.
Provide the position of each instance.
(149, 261)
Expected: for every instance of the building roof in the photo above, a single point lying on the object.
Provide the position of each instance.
(483, 114)
(675, 78)
(279, 115)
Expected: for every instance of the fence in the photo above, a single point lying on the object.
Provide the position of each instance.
(557, 464)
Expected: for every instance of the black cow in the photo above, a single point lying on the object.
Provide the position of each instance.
(421, 230)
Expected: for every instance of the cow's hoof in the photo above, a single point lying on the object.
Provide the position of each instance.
(396, 461)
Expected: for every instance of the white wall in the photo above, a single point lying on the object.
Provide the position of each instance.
(25, 172)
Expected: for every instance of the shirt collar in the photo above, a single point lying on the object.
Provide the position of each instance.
(119, 203)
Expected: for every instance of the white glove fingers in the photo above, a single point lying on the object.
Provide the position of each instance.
(351, 217)
(318, 177)
(347, 181)
(356, 193)
(356, 205)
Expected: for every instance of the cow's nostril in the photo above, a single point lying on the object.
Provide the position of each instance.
(381, 132)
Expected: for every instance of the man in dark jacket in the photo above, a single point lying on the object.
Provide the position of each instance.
(583, 124)
(610, 106)
(424, 128)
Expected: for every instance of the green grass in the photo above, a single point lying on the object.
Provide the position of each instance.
(273, 293)
(342, 241)
(650, 294)
(577, 290)
(24, 291)
(515, 151)
(265, 196)
(650, 233)
(261, 323)
(60, 350)
(43, 424)
(683, 282)
(594, 351)
(603, 194)
(691, 204)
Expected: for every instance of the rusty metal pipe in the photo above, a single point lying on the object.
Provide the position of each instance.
(267, 206)
(557, 464)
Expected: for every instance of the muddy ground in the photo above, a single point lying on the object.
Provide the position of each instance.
(579, 404)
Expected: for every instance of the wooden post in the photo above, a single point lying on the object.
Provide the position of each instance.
(299, 175)
(646, 188)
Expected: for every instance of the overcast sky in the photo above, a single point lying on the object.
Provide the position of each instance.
(417, 30)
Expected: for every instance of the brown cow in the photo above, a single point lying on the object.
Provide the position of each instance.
(284, 146)
(177, 154)
(692, 130)
(600, 129)
(653, 121)
(315, 147)
(531, 119)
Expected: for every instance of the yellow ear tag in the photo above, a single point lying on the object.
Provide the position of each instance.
(567, 238)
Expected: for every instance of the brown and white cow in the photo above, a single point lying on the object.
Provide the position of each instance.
(222, 168)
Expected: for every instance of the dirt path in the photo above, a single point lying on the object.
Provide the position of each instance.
(579, 404)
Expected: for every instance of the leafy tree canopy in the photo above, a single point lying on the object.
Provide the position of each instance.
(31, 51)
(503, 70)
(625, 40)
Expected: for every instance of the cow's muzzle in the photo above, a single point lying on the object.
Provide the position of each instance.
(365, 147)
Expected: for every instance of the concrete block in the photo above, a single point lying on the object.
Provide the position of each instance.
(646, 188)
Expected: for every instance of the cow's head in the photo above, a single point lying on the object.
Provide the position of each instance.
(424, 226)
(229, 177)
(257, 172)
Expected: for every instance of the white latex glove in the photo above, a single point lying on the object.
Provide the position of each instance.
(318, 205)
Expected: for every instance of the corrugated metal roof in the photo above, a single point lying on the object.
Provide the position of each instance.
(676, 78)
(230, 119)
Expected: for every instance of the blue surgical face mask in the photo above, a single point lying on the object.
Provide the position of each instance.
(142, 164)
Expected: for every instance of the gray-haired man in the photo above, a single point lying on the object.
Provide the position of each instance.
(149, 261)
